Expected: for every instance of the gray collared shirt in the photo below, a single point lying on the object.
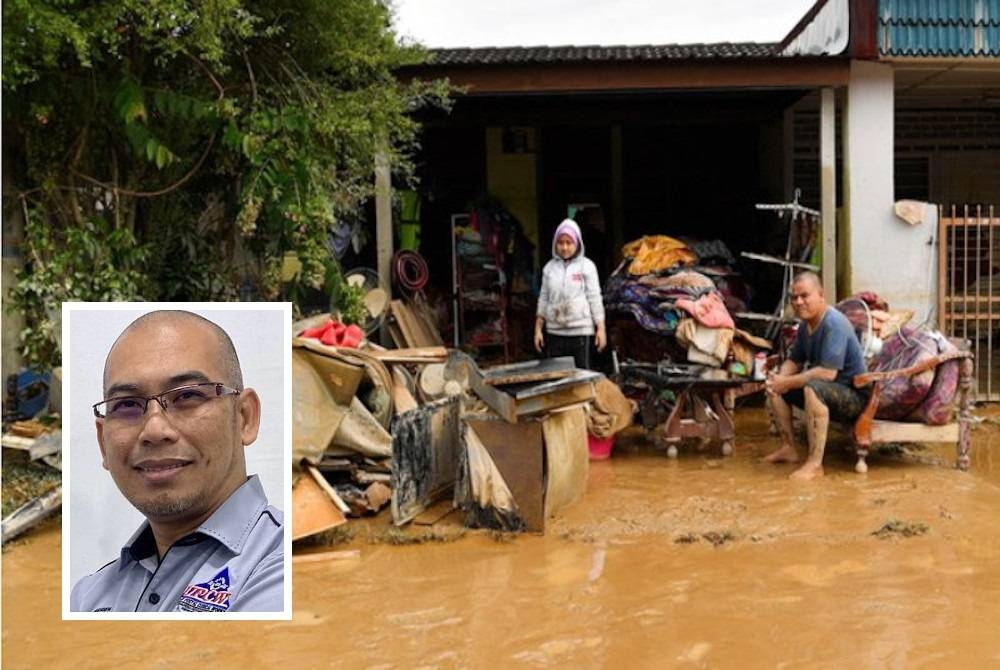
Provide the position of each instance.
(233, 562)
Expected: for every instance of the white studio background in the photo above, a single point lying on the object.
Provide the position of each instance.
(98, 517)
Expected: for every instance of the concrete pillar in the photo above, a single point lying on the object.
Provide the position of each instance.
(886, 255)
(828, 190)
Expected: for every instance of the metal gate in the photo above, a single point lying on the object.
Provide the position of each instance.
(969, 287)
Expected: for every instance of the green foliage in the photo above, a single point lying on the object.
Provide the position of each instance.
(193, 143)
(92, 262)
(345, 299)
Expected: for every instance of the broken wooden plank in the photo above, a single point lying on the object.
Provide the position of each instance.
(435, 513)
(402, 398)
(405, 321)
(326, 488)
(424, 321)
(412, 355)
(313, 511)
(530, 371)
(363, 477)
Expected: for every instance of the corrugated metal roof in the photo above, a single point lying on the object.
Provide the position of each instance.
(939, 28)
(571, 54)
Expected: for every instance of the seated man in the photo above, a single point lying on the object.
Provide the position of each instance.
(817, 376)
(172, 430)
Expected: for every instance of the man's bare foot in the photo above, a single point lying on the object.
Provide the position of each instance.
(785, 454)
(807, 472)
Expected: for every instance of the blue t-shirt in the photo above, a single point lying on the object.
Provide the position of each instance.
(832, 345)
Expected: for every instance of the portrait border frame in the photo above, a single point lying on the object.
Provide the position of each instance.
(286, 483)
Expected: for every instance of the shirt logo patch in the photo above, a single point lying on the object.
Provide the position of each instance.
(210, 596)
(577, 276)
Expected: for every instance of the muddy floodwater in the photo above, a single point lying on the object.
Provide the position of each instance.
(700, 562)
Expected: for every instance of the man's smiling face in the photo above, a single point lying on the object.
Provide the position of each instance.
(172, 466)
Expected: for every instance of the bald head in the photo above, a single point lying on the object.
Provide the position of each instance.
(811, 278)
(229, 362)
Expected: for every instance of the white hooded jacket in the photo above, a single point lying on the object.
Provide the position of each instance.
(570, 299)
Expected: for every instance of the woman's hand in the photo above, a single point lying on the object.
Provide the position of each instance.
(601, 337)
(539, 340)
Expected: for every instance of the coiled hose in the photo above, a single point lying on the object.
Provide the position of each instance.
(409, 271)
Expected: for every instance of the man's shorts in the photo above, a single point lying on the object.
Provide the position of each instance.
(844, 402)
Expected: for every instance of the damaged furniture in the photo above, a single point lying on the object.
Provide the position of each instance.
(528, 457)
(934, 420)
(685, 401)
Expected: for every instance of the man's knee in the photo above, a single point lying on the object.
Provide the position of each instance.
(815, 405)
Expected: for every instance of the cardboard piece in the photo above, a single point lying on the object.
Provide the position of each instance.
(568, 457)
(315, 415)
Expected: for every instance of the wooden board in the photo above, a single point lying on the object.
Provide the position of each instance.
(424, 321)
(516, 450)
(898, 431)
(312, 509)
(412, 355)
(529, 399)
(436, 512)
(530, 371)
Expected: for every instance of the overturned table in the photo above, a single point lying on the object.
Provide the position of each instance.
(701, 406)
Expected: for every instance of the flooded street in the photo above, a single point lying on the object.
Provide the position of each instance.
(699, 562)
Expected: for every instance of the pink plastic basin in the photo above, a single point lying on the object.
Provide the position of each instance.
(600, 447)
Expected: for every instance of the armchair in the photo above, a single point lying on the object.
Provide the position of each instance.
(868, 429)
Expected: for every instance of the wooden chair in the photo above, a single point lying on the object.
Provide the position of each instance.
(868, 430)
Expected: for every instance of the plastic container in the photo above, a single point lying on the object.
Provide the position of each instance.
(600, 447)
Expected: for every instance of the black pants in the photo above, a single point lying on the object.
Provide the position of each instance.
(577, 346)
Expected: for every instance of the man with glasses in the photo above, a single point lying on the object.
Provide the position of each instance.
(172, 428)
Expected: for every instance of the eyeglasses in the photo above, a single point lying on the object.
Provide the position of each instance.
(184, 400)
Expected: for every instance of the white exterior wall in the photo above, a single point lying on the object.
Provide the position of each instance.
(885, 254)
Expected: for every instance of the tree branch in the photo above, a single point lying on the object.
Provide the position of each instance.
(253, 81)
(150, 194)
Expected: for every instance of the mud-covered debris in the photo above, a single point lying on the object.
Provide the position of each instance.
(330, 538)
(399, 536)
(718, 538)
(895, 527)
(501, 536)
(714, 537)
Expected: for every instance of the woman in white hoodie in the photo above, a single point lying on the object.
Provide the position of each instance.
(570, 310)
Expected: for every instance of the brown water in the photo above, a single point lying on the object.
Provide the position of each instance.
(794, 579)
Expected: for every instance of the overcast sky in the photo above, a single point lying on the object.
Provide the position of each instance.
(458, 23)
